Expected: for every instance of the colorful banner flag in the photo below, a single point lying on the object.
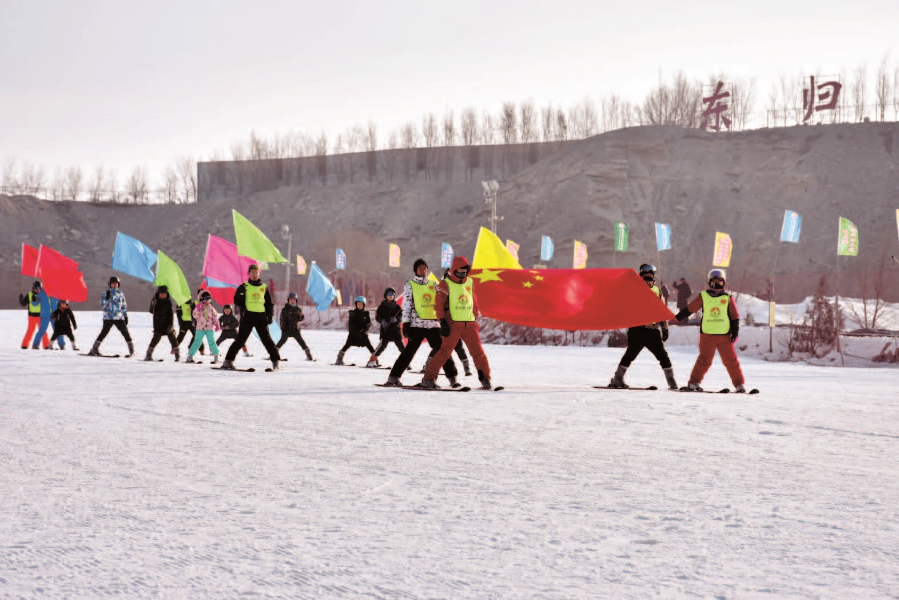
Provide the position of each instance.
(320, 288)
(446, 256)
(547, 248)
(29, 261)
(512, 247)
(848, 242)
(663, 236)
(222, 294)
(301, 265)
(133, 257)
(393, 259)
(897, 220)
(621, 236)
(50, 259)
(792, 227)
(723, 248)
(169, 274)
(341, 259)
(580, 255)
(569, 299)
(215, 283)
(252, 242)
(223, 262)
(772, 311)
(65, 284)
(491, 253)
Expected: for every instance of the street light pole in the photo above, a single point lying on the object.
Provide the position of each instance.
(285, 233)
(490, 190)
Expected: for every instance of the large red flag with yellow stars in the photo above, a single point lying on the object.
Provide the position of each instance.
(569, 299)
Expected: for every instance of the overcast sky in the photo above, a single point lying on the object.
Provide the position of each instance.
(126, 83)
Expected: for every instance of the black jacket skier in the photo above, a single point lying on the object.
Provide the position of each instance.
(162, 311)
(257, 316)
(358, 324)
(63, 321)
(389, 316)
(291, 316)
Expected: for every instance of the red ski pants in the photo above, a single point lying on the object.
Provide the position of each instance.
(708, 344)
(34, 325)
(467, 331)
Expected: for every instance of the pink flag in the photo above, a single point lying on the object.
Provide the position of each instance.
(223, 263)
(50, 259)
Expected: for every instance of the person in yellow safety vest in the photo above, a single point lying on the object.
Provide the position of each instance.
(651, 336)
(32, 301)
(257, 312)
(718, 332)
(457, 310)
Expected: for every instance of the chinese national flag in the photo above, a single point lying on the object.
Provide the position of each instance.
(569, 299)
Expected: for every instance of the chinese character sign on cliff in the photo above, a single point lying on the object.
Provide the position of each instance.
(824, 96)
(715, 109)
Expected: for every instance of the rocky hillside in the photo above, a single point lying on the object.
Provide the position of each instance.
(700, 182)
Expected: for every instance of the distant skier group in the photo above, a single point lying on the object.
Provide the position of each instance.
(444, 313)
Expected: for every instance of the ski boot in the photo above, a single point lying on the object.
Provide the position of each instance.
(339, 360)
(247, 353)
(177, 353)
(130, 350)
(190, 359)
(95, 351)
(372, 362)
(429, 384)
(740, 389)
(309, 355)
(393, 382)
(425, 368)
(275, 366)
(618, 379)
(215, 358)
(453, 383)
(485, 382)
(466, 364)
(669, 377)
(694, 387)
(149, 356)
(227, 365)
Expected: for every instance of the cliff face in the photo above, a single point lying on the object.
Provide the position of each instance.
(698, 182)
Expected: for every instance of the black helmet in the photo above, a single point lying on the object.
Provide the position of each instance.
(647, 271)
(717, 279)
(163, 289)
(417, 264)
(36, 286)
(292, 296)
(227, 307)
(113, 280)
(204, 295)
(64, 301)
(389, 290)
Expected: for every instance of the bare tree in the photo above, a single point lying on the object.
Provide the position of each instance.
(112, 186)
(168, 194)
(429, 132)
(744, 98)
(59, 184)
(870, 310)
(321, 158)
(187, 174)
(677, 103)
(561, 126)
(10, 179)
(137, 185)
(31, 181)
(410, 143)
(547, 123)
(371, 146)
(74, 183)
(882, 88)
(488, 140)
(469, 130)
(352, 139)
(95, 187)
(390, 157)
(528, 119)
(896, 92)
(238, 172)
(449, 142)
(508, 123)
(860, 91)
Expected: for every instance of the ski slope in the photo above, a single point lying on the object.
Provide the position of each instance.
(164, 480)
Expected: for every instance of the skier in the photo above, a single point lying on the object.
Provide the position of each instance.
(457, 310)
(32, 302)
(358, 325)
(115, 313)
(720, 329)
(388, 315)
(420, 324)
(207, 321)
(229, 324)
(257, 312)
(163, 322)
(651, 336)
(291, 316)
(63, 324)
(186, 322)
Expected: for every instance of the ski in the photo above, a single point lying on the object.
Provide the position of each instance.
(441, 389)
(153, 360)
(250, 370)
(281, 359)
(496, 389)
(635, 389)
(102, 355)
(689, 391)
(343, 365)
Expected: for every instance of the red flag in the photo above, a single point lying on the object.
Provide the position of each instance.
(48, 258)
(569, 299)
(29, 261)
(221, 295)
(64, 284)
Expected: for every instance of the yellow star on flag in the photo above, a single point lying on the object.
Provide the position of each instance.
(538, 278)
(487, 275)
(528, 284)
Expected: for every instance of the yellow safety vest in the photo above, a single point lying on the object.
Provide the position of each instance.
(255, 297)
(32, 311)
(424, 297)
(461, 301)
(186, 312)
(715, 319)
(657, 291)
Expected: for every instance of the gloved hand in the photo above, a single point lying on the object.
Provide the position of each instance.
(392, 320)
(23, 300)
(664, 334)
(406, 329)
(269, 319)
(683, 314)
(734, 330)
(444, 328)
(170, 331)
(107, 294)
(382, 323)
(126, 319)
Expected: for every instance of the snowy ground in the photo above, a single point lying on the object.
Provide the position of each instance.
(164, 480)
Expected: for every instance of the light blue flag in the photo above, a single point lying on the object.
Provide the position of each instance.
(133, 257)
(446, 256)
(341, 259)
(320, 288)
(663, 236)
(547, 248)
(792, 227)
(218, 284)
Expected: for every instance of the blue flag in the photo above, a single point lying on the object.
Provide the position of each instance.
(446, 256)
(320, 288)
(341, 259)
(663, 236)
(792, 227)
(133, 257)
(218, 284)
(547, 248)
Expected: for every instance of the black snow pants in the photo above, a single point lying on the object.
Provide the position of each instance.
(295, 335)
(248, 322)
(416, 336)
(119, 324)
(645, 337)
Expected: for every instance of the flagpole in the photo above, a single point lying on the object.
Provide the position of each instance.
(771, 299)
(837, 313)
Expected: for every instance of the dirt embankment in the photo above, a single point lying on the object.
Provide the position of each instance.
(699, 182)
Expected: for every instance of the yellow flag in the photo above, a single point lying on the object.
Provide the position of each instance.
(580, 255)
(512, 247)
(301, 265)
(393, 259)
(490, 253)
(723, 248)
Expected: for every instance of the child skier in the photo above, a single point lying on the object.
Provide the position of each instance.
(420, 324)
(719, 330)
(291, 315)
(229, 323)
(63, 324)
(207, 322)
(358, 325)
(257, 311)
(115, 313)
(388, 315)
(32, 301)
(163, 322)
(457, 310)
(651, 336)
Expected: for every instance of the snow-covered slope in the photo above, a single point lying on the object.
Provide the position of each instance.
(169, 480)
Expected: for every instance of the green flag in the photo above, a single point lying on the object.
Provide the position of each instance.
(169, 274)
(252, 243)
(620, 236)
(847, 245)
